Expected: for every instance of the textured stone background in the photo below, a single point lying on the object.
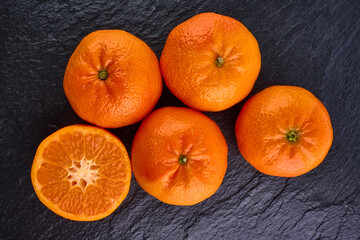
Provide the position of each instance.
(313, 44)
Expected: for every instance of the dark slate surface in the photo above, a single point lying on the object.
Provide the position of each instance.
(314, 45)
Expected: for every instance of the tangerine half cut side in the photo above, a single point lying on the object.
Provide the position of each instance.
(81, 172)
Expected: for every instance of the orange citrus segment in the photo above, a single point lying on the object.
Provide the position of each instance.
(54, 152)
(73, 145)
(92, 145)
(56, 191)
(109, 153)
(81, 172)
(113, 170)
(95, 201)
(110, 187)
(49, 173)
(73, 201)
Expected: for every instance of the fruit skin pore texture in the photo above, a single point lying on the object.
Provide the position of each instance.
(112, 79)
(81, 172)
(210, 62)
(179, 156)
(284, 131)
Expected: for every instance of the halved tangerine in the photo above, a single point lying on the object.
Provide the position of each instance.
(81, 173)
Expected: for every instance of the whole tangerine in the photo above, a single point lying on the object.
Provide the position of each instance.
(210, 62)
(112, 79)
(179, 156)
(284, 131)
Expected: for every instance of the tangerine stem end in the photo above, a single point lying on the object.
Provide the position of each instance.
(183, 159)
(292, 136)
(103, 74)
(219, 61)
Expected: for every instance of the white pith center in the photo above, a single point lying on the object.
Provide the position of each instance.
(83, 173)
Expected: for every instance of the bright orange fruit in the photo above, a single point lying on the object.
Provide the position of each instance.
(284, 131)
(81, 172)
(179, 156)
(112, 79)
(210, 62)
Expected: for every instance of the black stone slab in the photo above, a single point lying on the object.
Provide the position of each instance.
(312, 44)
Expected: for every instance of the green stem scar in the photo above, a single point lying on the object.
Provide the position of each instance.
(103, 74)
(219, 61)
(292, 136)
(183, 159)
